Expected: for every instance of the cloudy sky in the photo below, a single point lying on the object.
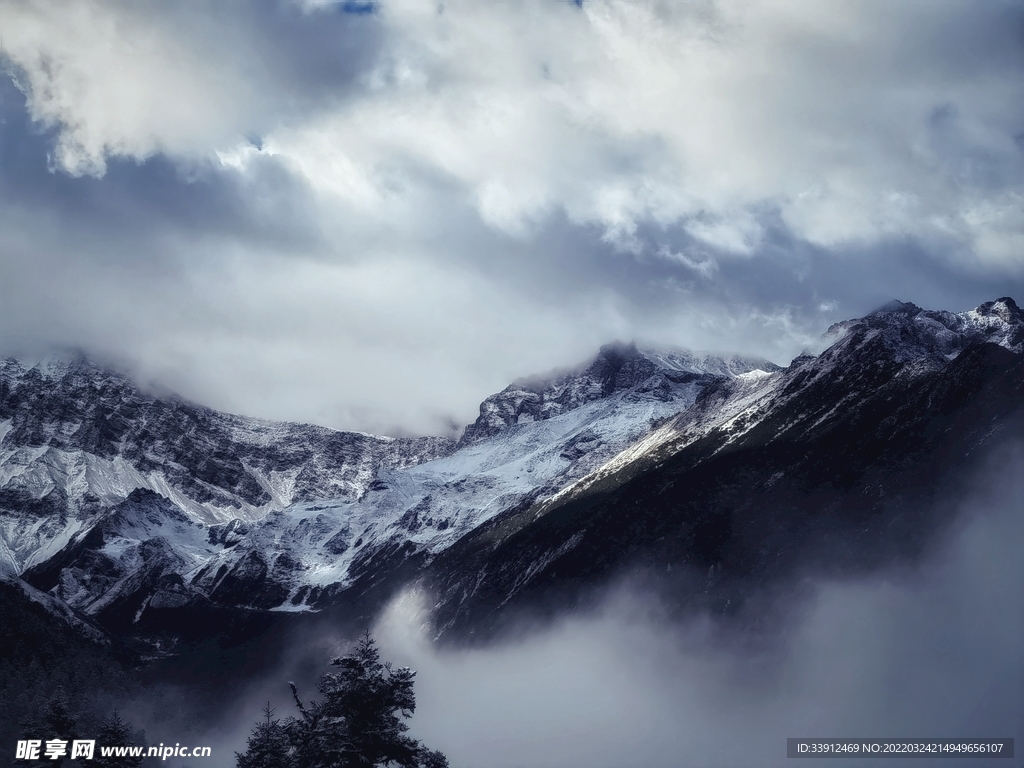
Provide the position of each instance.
(372, 215)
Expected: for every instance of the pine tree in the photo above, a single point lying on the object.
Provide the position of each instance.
(268, 745)
(360, 720)
(115, 732)
(56, 721)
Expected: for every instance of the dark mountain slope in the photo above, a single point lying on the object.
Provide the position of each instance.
(41, 652)
(845, 465)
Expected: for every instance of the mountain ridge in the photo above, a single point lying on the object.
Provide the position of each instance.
(107, 455)
(859, 435)
(380, 512)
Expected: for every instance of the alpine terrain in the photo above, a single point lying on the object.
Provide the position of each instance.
(719, 476)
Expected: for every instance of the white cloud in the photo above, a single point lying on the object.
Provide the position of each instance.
(125, 80)
(738, 235)
(692, 112)
(996, 225)
(696, 113)
(699, 262)
(494, 156)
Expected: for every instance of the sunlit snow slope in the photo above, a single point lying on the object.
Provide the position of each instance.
(120, 502)
(841, 456)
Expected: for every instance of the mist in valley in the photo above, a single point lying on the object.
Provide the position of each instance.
(924, 649)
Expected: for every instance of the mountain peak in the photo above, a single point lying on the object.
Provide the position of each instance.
(619, 350)
(1004, 308)
(902, 307)
(618, 367)
(934, 336)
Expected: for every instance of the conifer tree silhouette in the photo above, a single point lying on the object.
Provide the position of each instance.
(268, 745)
(115, 732)
(359, 722)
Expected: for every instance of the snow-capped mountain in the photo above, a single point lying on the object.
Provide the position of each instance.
(288, 516)
(839, 461)
(617, 369)
(76, 440)
(900, 341)
(126, 507)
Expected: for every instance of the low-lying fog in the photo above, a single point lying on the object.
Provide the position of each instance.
(932, 649)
